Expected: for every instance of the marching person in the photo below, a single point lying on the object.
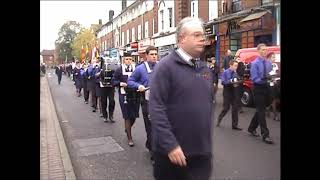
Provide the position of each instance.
(140, 79)
(259, 71)
(129, 99)
(181, 108)
(215, 69)
(77, 78)
(92, 70)
(240, 72)
(106, 91)
(59, 71)
(230, 82)
(84, 80)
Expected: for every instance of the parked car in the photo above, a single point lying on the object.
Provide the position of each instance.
(247, 55)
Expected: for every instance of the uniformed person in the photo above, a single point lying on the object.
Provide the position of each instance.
(230, 82)
(240, 71)
(77, 78)
(84, 80)
(259, 71)
(92, 70)
(106, 91)
(139, 80)
(129, 98)
(59, 71)
(215, 69)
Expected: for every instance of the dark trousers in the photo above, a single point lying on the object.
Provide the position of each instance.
(85, 90)
(261, 98)
(94, 97)
(198, 168)
(230, 98)
(59, 79)
(107, 93)
(147, 122)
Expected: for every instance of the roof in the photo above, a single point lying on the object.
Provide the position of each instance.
(47, 52)
(254, 16)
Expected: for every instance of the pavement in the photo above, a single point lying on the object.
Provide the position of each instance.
(55, 162)
(99, 150)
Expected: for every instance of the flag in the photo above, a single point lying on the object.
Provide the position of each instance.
(83, 54)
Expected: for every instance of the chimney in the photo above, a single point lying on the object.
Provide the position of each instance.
(111, 13)
(124, 4)
(100, 21)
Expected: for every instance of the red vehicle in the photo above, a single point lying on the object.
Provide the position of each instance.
(247, 55)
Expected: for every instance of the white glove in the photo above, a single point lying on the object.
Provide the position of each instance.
(141, 88)
(122, 84)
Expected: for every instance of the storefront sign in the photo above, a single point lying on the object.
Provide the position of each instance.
(165, 40)
(144, 44)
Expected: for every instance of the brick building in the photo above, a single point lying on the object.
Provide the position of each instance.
(48, 57)
(246, 23)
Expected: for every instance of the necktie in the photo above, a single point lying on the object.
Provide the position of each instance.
(193, 61)
(127, 69)
(264, 68)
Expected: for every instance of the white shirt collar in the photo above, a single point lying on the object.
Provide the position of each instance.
(185, 56)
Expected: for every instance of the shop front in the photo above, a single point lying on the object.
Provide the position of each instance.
(143, 45)
(165, 44)
(246, 32)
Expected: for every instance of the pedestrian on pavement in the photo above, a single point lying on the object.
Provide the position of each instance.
(77, 78)
(275, 89)
(259, 71)
(140, 79)
(181, 108)
(240, 71)
(227, 59)
(215, 69)
(59, 71)
(84, 80)
(129, 98)
(106, 91)
(230, 81)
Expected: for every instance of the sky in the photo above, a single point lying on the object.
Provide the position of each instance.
(53, 14)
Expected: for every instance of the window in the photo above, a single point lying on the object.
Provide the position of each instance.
(266, 2)
(162, 20)
(192, 9)
(133, 35)
(127, 37)
(235, 42)
(236, 5)
(139, 32)
(122, 38)
(170, 17)
(146, 30)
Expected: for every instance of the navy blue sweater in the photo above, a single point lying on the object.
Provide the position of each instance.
(180, 106)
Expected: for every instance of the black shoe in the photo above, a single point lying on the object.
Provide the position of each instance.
(267, 140)
(237, 128)
(94, 110)
(254, 133)
(130, 143)
(218, 123)
(241, 111)
(105, 120)
(111, 119)
(101, 115)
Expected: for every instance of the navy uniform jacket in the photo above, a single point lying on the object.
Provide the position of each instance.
(180, 106)
(227, 75)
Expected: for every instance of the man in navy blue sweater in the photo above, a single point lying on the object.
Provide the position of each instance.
(180, 107)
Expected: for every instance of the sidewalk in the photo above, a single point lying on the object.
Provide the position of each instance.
(55, 162)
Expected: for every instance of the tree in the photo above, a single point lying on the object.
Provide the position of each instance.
(67, 33)
(83, 39)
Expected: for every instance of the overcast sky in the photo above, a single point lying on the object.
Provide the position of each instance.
(53, 14)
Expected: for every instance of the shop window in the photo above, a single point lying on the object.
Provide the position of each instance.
(235, 42)
(266, 2)
(236, 5)
(170, 17)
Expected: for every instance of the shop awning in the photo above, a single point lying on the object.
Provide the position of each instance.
(254, 16)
